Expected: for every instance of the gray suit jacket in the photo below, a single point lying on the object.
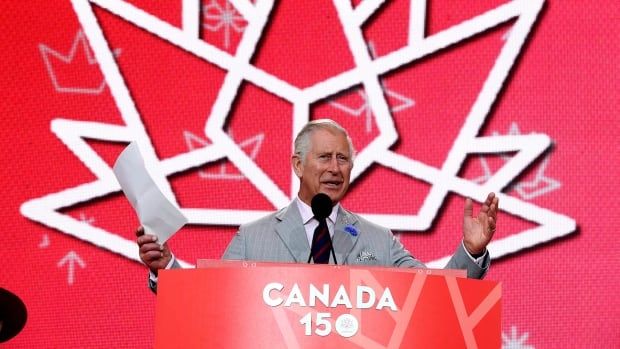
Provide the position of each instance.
(281, 237)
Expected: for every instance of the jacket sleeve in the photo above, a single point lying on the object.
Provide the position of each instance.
(236, 249)
(153, 279)
(462, 260)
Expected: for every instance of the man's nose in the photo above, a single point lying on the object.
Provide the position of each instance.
(334, 166)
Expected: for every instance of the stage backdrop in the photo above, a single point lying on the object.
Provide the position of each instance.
(443, 99)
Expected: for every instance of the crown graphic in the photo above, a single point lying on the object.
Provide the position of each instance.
(76, 71)
(252, 145)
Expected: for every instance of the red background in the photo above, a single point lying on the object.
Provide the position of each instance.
(564, 84)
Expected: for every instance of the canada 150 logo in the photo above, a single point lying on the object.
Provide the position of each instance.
(366, 72)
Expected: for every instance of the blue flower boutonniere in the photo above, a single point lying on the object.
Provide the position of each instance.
(351, 230)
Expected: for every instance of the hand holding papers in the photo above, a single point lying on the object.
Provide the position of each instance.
(156, 213)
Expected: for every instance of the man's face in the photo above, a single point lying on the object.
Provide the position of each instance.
(327, 167)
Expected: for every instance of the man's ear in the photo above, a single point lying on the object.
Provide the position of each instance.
(296, 162)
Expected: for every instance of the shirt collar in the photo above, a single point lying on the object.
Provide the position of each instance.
(306, 211)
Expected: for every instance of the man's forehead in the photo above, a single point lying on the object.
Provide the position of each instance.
(329, 140)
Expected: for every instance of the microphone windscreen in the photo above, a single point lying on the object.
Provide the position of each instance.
(321, 205)
(13, 315)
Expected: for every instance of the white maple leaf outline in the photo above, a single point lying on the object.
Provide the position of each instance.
(365, 72)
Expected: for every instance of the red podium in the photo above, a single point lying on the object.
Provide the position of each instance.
(224, 304)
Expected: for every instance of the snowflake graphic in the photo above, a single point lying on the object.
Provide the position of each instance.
(367, 72)
(217, 17)
(515, 341)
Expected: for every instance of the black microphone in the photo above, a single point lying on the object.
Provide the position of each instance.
(321, 208)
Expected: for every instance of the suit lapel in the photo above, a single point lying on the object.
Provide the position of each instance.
(343, 240)
(291, 230)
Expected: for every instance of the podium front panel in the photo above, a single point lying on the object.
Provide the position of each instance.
(276, 305)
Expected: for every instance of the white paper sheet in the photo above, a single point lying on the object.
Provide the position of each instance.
(156, 213)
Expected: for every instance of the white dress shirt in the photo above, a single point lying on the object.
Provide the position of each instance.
(310, 223)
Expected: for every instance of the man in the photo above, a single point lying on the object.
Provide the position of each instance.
(323, 161)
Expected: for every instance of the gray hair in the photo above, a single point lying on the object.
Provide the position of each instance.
(302, 141)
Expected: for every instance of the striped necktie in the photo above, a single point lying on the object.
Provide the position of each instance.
(321, 243)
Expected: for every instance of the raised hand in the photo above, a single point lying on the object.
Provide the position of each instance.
(478, 230)
(154, 255)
